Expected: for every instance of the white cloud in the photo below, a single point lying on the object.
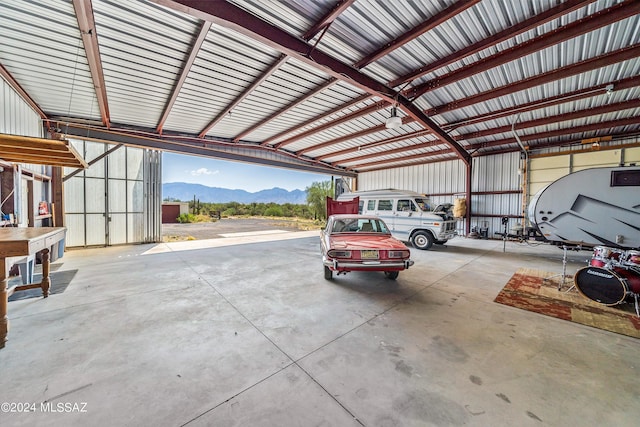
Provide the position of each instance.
(204, 171)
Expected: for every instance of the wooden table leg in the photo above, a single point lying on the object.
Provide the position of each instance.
(45, 283)
(4, 296)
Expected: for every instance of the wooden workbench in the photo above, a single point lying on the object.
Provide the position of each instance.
(21, 242)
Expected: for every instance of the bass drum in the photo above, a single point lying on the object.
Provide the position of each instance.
(601, 285)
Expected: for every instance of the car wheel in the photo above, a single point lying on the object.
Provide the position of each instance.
(393, 275)
(422, 240)
(328, 274)
(440, 242)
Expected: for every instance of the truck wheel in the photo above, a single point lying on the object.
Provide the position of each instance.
(422, 240)
(393, 275)
(328, 274)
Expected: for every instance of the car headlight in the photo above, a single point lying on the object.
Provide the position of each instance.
(339, 254)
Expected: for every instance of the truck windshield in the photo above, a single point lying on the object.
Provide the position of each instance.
(423, 204)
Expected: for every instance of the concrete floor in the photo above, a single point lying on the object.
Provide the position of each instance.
(245, 331)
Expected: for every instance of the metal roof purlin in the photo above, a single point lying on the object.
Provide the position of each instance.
(232, 17)
(354, 101)
(368, 145)
(607, 59)
(588, 92)
(195, 48)
(566, 131)
(287, 107)
(87, 27)
(621, 135)
(577, 114)
(526, 25)
(506, 141)
(23, 94)
(257, 82)
(559, 35)
(403, 159)
(393, 151)
(328, 18)
(416, 31)
(359, 113)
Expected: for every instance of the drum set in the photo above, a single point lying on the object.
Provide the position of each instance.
(612, 275)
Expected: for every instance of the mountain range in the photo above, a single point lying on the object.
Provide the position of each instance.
(186, 192)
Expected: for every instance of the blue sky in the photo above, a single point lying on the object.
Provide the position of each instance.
(233, 175)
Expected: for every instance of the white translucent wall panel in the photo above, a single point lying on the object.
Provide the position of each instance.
(92, 151)
(118, 229)
(135, 196)
(94, 195)
(135, 230)
(135, 163)
(74, 195)
(95, 231)
(117, 196)
(121, 191)
(117, 161)
(75, 229)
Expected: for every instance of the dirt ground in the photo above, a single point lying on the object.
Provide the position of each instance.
(213, 230)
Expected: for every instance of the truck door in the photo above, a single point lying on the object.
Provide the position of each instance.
(405, 217)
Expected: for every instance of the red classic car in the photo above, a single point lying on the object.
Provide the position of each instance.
(353, 242)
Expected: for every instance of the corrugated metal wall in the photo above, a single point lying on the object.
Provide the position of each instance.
(445, 181)
(117, 200)
(18, 118)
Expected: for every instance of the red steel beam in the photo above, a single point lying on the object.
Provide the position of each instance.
(422, 162)
(257, 82)
(315, 119)
(359, 134)
(402, 159)
(387, 152)
(555, 133)
(286, 108)
(195, 48)
(550, 134)
(359, 113)
(604, 109)
(610, 58)
(506, 150)
(328, 18)
(87, 26)
(23, 93)
(592, 22)
(230, 16)
(385, 141)
(511, 32)
(600, 89)
(580, 94)
(417, 31)
(522, 27)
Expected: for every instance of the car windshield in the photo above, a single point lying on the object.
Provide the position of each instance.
(359, 225)
(424, 204)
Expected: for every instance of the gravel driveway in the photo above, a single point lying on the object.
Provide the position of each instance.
(213, 230)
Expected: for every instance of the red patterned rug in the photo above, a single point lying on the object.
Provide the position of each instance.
(529, 290)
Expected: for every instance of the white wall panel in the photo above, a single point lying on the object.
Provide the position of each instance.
(121, 187)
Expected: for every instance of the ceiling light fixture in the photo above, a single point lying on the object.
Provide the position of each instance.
(394, 121)
(609, 89)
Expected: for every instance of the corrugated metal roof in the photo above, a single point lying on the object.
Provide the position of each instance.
(146, 54)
